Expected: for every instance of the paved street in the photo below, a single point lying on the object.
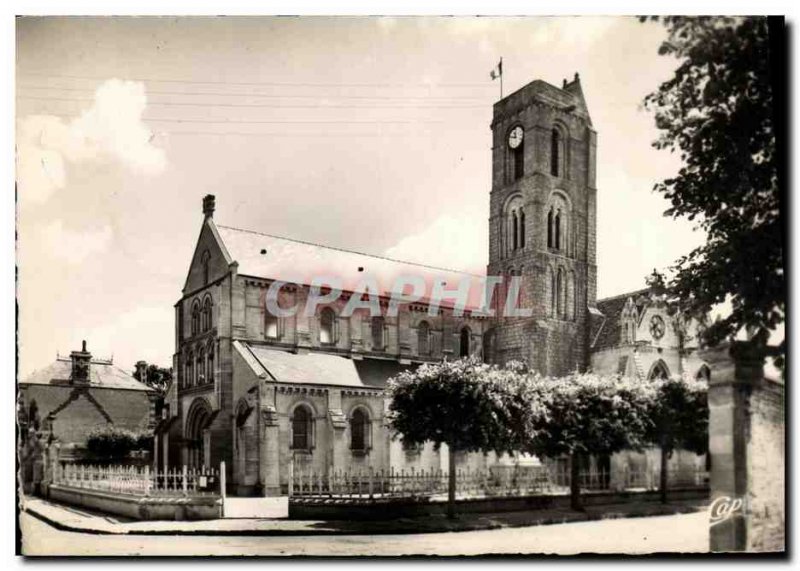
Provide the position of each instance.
(674, 533)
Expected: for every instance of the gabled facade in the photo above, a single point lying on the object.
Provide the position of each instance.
(261, 391)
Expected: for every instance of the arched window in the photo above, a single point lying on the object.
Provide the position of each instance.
(327, 326)
(560, 288)
(200, 366)
(195, 318)
(204, 260)
(555, 151)
(359, 431)
(378, 337)
(513, 226)
(463, 350)
(210, 364)
(302, 428)
(557, 230)
(659, 371)
(423, 338)
(270, 325)
(207, 313)
(515, 229)
(703, 374)
(558, 223)
(570, 296)
(188, 366)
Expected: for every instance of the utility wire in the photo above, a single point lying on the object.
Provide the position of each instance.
(267, 83)
(261, 105)
(273, 95)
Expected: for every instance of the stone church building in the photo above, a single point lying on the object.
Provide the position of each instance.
(263, 391)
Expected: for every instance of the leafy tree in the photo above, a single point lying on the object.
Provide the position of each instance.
(112, 443)
(717, 112)
(679, 417)
(466, 404)
(590, 414)
(157, 378)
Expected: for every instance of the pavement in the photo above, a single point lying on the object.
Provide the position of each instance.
(681, 533)
(81, 520)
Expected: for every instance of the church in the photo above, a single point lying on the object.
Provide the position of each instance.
(268, 390)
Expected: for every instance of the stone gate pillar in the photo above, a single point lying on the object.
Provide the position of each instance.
(746, 443)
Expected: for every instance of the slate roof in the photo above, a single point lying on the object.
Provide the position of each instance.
(605, 330)
(317, 368)
(299, 261)
(102, 374)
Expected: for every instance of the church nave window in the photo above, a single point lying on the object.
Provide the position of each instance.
(327, 326)
(271, 326)
(302, 428)
(378, 327)
(359, 431)
(423, 338)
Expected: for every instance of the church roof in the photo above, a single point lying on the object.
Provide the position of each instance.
(275, 257)
(102, 375)
(317, 368)
(605, 330)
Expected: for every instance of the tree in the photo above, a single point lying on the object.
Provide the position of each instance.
(157, 378)
(717, 111)
(590, 414)
(679, 417)
(466, 404)
(110, 443)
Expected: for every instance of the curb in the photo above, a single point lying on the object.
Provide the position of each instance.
(400, 530)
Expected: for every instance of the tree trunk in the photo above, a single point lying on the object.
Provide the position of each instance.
(451, 482)
(574, 482)
(664, 474)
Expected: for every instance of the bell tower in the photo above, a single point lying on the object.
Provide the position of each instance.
(542, 224)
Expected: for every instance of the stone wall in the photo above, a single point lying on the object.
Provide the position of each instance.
(765, 466)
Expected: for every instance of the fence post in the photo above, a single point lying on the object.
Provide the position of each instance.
(147, 480)
(222, 477)
(185, 480)
(370, 482)
(291, 478)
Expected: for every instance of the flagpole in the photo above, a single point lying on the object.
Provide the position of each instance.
(501, 78)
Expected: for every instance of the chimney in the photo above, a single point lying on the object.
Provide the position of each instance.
(208, 205)
(80, 365)
(141, 371)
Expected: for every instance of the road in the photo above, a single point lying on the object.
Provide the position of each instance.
(674, 533)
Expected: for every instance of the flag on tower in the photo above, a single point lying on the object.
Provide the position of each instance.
(497, 71)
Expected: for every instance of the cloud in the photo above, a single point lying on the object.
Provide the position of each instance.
(453, 242)
(74, 247)
(111, 130)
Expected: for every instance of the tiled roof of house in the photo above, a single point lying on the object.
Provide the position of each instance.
(275, 257)
(605, 330)
(102, 374)
(317, 368)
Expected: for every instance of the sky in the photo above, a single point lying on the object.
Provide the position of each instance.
(369, 134)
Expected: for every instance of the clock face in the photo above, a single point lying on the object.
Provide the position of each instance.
(657, 327)
(515, 137)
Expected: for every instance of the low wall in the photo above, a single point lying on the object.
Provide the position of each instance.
(139, 507)
(306, 508)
